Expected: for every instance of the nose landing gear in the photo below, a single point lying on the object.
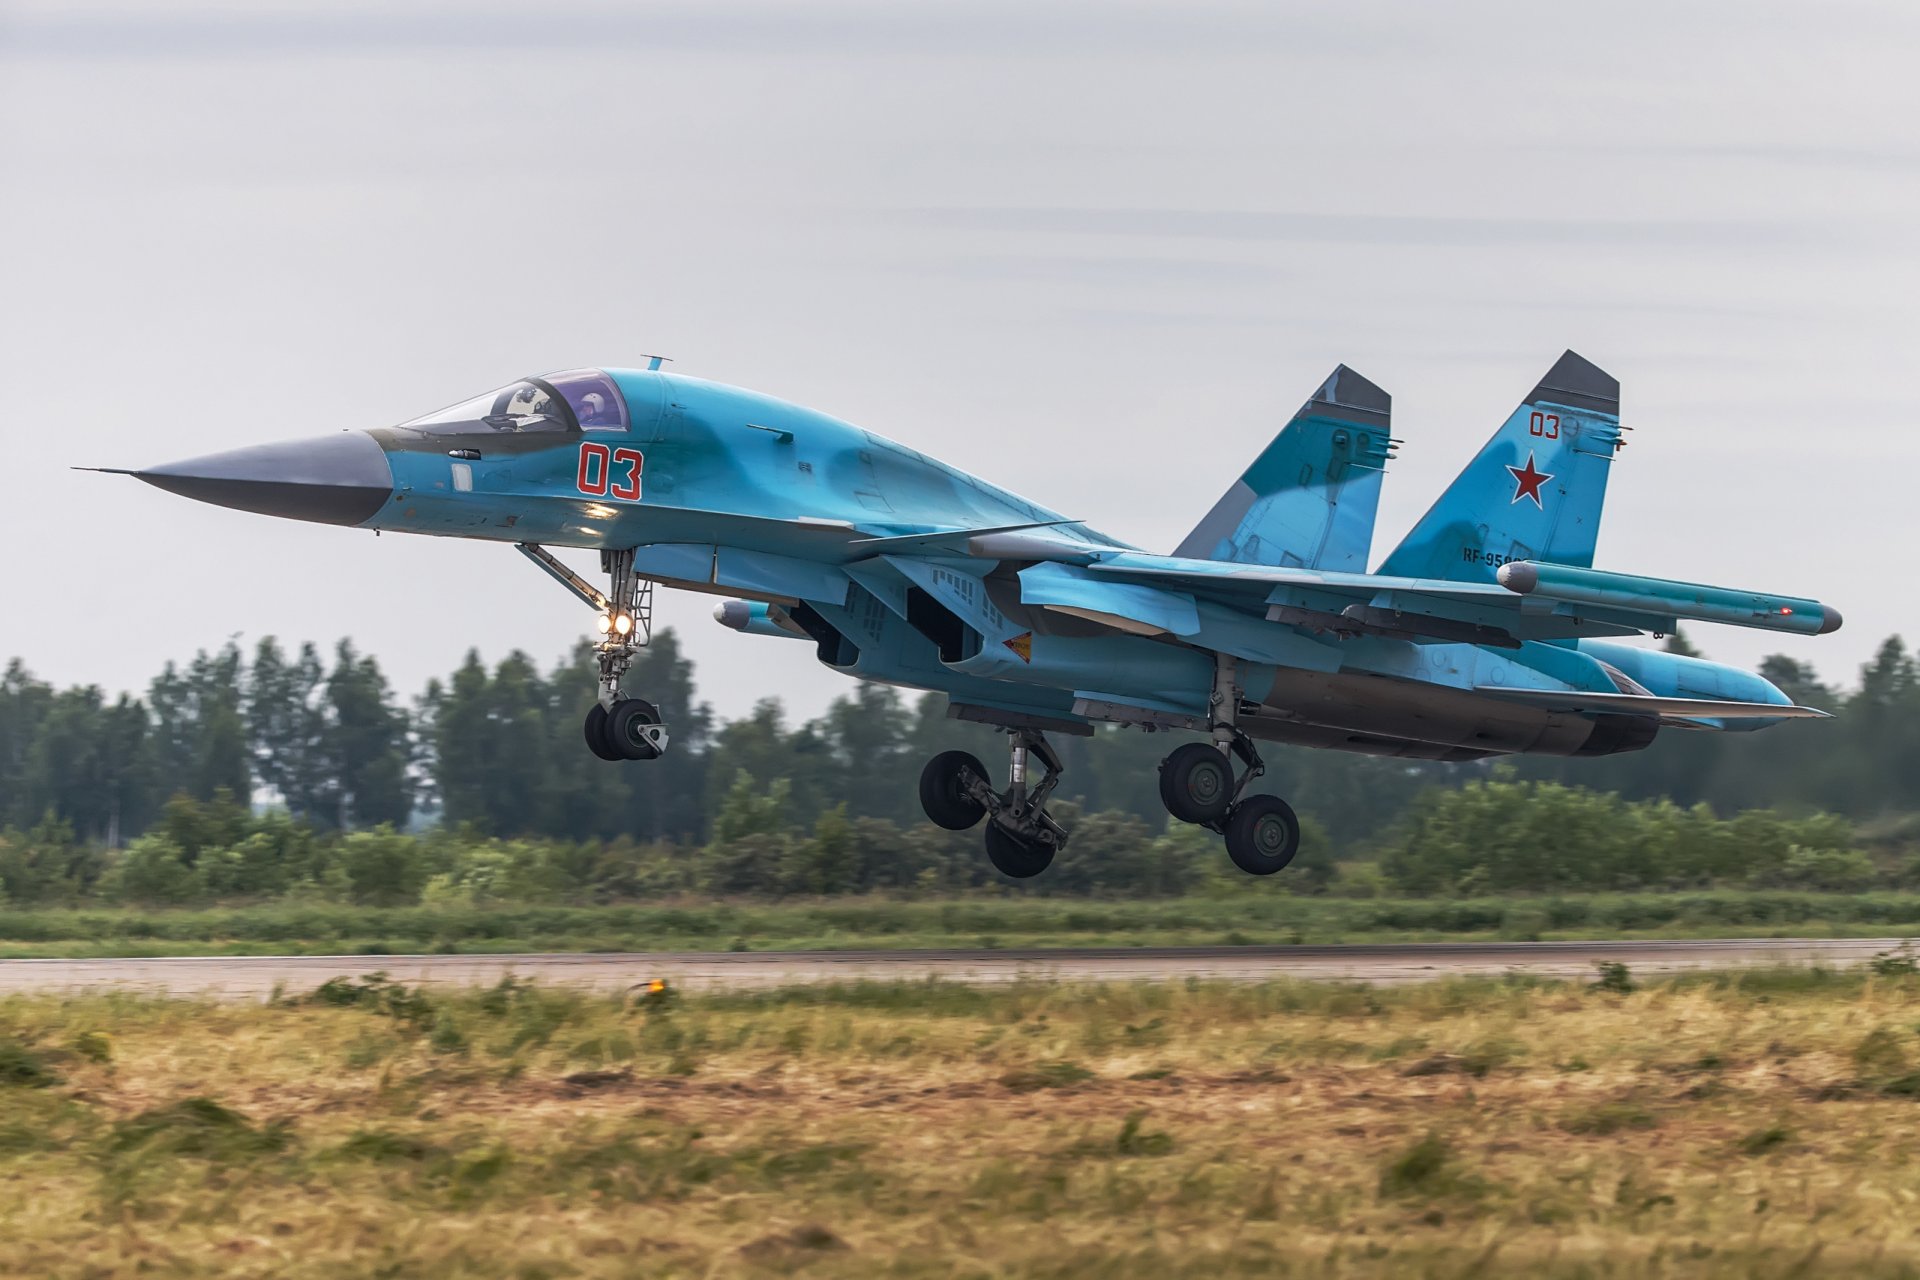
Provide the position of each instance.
(1021, 835)
(630, 731)
(617, 727)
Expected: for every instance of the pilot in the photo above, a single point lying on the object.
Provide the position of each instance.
(595, 411)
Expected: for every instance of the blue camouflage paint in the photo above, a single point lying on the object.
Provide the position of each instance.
(905, 570)
(1311, 496)
(1533, 493)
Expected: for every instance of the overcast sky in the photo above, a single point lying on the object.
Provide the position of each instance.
(1095, 252)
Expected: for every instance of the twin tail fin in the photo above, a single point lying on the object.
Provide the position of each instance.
(1310, 498)
(1534, 492)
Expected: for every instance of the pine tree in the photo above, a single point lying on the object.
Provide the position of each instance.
(364, 742)
(285, 731)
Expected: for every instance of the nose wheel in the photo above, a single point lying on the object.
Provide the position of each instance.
(1021, 836)
(630, 730)
(617, 727)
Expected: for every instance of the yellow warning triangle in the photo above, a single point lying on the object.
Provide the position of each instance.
(1022, 644)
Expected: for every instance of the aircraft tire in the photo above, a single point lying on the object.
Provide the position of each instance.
(1196, 783)
(1015, 857)
(1263, 834)
(946, 802)
(624, 722)
(596, 734)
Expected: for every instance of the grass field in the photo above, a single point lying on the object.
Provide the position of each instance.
(1765, 1124)
(1257, 916)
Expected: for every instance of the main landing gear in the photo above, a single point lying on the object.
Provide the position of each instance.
(1197, 785)
(617, 727)
(1021, 836)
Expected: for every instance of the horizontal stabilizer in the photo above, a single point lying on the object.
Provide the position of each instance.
(1634, 704)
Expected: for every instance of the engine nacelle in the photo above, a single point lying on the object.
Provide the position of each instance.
(1613, 735)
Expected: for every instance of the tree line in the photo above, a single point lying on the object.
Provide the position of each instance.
(494, 753)
(498, 750)
(1491, 837)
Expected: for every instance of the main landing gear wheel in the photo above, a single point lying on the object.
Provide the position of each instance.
(1196, 783)
(1262, 835)
(946, 790)
(1019, 857)
(1021, 836)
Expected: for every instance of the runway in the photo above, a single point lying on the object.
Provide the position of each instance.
(255, 977)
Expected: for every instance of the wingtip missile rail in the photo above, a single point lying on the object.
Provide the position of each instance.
(1689, 601)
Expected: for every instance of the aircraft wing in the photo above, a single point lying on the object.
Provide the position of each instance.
(952, 541)
(1205, 572)
(1530, 601)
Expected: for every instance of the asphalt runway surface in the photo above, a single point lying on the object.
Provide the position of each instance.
(255, 977)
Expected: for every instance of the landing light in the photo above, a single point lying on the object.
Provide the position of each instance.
(603, 624)
(623, 624)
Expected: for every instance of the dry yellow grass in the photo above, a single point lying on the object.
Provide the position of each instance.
(1762, 1125)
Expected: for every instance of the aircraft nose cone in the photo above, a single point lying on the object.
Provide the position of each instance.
(337, 479)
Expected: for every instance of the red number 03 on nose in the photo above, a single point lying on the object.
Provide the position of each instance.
(609, 473)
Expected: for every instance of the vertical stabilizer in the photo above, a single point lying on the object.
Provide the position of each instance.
(1533, 493)
(1310, 498)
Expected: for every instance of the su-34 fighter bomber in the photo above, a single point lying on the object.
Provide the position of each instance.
(1486, 632)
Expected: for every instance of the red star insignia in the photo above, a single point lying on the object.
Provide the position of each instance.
(1527, 481)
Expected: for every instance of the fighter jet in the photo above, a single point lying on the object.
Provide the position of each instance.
(1486, 632)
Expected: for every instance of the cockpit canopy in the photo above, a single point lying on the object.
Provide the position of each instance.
(576, 400)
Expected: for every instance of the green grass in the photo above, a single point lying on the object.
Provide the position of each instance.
(977, 922)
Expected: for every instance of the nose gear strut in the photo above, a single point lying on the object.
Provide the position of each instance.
(617, 728)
